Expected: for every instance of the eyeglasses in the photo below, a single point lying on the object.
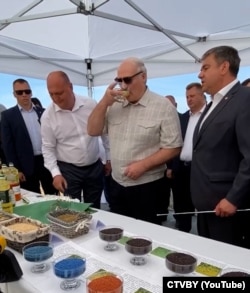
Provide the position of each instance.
(20, 92)
(127, 79)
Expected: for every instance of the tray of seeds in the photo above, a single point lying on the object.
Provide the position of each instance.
(20, 231)
(6, 217)
(69, 223)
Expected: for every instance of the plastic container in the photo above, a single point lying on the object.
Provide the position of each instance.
(69, 268)
(6, 203)
(181, 263)
(13, 178)
(38, 253)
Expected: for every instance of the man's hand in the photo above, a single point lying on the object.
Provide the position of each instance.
(22, 177)
(169, 173)
(135, 170)
(225, 209)
(60, 183)
(107, 168)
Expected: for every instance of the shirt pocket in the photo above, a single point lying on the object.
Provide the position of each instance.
(147, 131)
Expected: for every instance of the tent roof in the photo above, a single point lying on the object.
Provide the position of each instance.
(169, 35)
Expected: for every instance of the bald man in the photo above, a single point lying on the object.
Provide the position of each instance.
(71, 155)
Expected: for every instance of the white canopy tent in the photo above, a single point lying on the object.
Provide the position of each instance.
(88, 39)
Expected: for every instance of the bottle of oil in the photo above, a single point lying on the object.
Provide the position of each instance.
(7, 205)
(13, 178)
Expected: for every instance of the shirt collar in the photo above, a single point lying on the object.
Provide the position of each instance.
(227, 88)
(200, 111)
(143, 100)
(22, 109)
(78, 104)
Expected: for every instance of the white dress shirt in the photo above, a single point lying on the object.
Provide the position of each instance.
(217, 98)
(65, 137)
(187, 149)
(33, 126)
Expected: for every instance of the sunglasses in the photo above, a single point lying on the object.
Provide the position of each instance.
(127, 79)
(20, 92)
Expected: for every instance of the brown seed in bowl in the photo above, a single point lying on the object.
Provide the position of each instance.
(181, 258)
(111, 234)
(181, 263)
(235, 274)
(138, 246)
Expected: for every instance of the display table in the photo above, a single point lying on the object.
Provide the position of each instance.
(148, 276)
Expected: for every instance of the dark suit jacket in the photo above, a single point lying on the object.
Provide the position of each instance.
(174, 163)
(221, 152)
(16, 142)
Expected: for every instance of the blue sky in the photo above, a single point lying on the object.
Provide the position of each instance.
(173, 85)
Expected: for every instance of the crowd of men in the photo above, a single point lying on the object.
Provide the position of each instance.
(201, 156)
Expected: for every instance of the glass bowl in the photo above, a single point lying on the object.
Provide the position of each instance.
(234, 272)
(111, 234)
(139, 247)
(181, 263)
(38, 252)
(69, 267)
(108, 283)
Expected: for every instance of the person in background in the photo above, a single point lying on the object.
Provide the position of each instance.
(2, 156)
(21, 138)
(181, 165)
(71, 155)
(246, 82)
(107, 169)
(164, 204)
(144, 133)
(220, 172)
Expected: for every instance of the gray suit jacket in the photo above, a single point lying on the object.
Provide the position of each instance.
(221, 153)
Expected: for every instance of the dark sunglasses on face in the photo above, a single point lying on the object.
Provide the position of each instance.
(20, 92)
(127, 79)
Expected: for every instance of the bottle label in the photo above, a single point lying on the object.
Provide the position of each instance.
(12, 197)
(7, 207)
(11, 177)
(17, 192)
(4, 196)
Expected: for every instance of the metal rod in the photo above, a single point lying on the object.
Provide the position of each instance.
(198, 212)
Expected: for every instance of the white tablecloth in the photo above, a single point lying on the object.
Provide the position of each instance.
(161, 236)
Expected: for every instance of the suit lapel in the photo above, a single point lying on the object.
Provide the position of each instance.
(19, 120)
(184, 123)
(197, 127)
(216, 111)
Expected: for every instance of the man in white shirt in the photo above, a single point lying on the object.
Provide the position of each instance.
(181, 166)
(71, 155)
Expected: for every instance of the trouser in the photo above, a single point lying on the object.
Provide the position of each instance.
(138, 201)
(182, 196)
(225, 229)
(86, 179)
(40, 175)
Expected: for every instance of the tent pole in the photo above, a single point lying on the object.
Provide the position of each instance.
(89, 77)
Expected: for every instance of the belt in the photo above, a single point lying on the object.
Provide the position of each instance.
(186, 163)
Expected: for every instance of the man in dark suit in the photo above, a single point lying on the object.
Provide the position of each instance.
(220, 172)
(181, 166)
(21, 139)
(2, 156)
